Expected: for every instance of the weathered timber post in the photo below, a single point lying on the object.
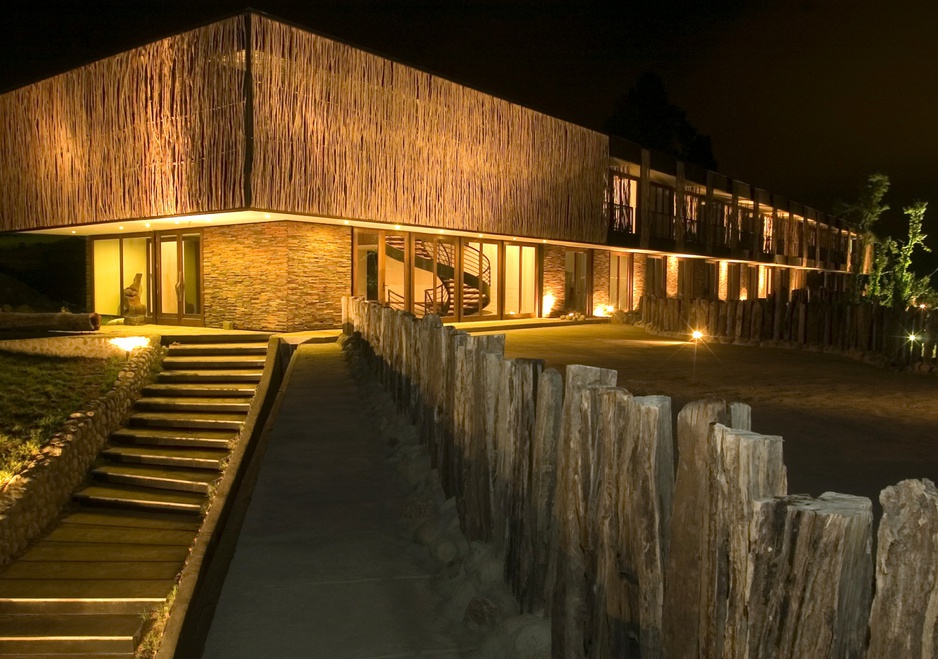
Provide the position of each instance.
(514, 431)
(479, 394)
(690, 522)
(544, 481)
(448, 413)
(645, 511)
(478, 475)
(904, 619)
(609, 637)
(810, 570)
(567, 591)
(743, 467)
(428, 351)
(407, 363)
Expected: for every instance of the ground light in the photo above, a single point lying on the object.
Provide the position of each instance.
(696, 335)
(129, 343)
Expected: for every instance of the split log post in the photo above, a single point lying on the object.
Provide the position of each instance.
(904, 618)
(514, 433)
(645, 513)
(477, 422)
(567, 590)
(811, 578)
(610, 636)
(428, 351)
(477, 521)
(743, 467)
(543, 482)
(690, 521)
(407, 363)
(449, 415)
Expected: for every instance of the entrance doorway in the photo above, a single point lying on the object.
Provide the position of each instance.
(577, 282)
(178, 278)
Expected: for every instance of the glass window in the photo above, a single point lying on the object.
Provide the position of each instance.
(191, 273)
(395, 284)
(620, 281)
(366, 264)
(480, 279)
(107, 277)
(520, 281)
(136, 262)
(427, 289)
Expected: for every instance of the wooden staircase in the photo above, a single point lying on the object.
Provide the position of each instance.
(85, 588)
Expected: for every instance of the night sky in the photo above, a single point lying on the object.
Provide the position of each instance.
(804, 99)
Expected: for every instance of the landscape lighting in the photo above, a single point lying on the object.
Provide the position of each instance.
(697, 335)
(129, 343)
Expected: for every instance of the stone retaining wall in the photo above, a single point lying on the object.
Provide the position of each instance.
(32, 500)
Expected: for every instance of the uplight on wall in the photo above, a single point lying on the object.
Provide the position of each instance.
(547, 304)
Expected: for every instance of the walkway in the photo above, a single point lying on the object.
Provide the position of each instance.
(324, 565)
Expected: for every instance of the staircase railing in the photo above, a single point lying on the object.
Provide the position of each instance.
(476, 276)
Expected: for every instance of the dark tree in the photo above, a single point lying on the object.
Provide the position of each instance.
(647, 116)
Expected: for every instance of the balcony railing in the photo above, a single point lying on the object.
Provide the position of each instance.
(621, 218)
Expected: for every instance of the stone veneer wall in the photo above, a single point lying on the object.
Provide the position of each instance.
(601, 260)
(639, 265)
(286, 276)
(555, 267)
(32, 499)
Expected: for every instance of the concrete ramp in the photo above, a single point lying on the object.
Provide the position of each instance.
(325, 565)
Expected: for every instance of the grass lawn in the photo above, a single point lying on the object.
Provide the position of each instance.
(36, 396)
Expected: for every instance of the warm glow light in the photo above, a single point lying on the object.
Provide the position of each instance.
(397, 226)
(921, 306)
(441, 230)
(346, 221)
(129, 343)
(697, 335)
(603, 310)
(177, 222)
(480, 235)
(120, 228)
(73, 232)
(266, 216)
(146, 224)
(913, 337)
(547, 304)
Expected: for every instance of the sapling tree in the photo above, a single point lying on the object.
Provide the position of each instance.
(907, 286)
(863, 216)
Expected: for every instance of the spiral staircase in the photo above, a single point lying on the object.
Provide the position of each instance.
(441, 299)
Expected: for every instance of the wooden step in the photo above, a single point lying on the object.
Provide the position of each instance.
(209, 362)
(23, 596)
(219, 439)
(202, 349)
(191, 458)
(53, 634)
(200, 376)
(140, 498)
(222, 389)
(156, 477)
(193, 404)
(196, 420)
(169, 338)
(100, 551)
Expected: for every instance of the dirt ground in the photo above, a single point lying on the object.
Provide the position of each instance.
(848, 427)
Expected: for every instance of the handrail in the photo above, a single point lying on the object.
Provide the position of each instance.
(474, 261)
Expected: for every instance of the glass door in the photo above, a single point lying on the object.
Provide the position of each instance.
(179, 278)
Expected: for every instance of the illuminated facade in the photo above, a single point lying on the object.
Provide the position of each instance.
(252, 173)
